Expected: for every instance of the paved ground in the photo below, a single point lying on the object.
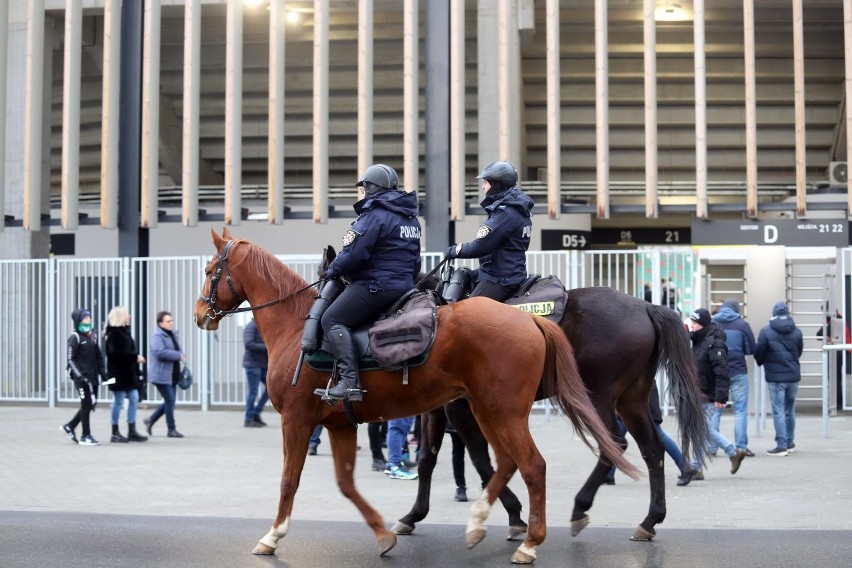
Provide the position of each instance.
(223, 480)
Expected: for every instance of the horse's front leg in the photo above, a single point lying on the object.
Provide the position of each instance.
(295, 443)
(343, 440)
(432, 426)
(459, 413)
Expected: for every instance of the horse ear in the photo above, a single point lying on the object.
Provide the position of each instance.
(218, 241)
(328, 254)
(226, 234)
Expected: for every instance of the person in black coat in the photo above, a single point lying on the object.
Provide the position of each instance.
(123, 360)
(710, 352)
(380, 257)
(779, 347)
(85, 366)
(501, 243)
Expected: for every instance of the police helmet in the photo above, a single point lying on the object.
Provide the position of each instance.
(501, 172)
(379, 175)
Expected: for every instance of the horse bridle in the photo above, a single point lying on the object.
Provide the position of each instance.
(214, 311)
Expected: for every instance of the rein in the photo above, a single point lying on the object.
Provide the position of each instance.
(214, 286)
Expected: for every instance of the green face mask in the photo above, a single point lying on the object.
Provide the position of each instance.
(84, 327)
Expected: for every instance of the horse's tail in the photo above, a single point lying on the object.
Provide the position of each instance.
(675, 356)
(561, 380)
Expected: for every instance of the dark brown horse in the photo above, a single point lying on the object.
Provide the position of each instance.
(619, 342)
(496, 356)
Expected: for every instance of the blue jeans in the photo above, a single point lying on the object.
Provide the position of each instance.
(713, 435)
(169, 394)
(739, 396)
(672, 449)
(716, 422)
(255, 376)
(315, 437)
(782, 396)
(398, 429)
(118, 402)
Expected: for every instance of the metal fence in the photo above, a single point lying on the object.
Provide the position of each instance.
(37, 297)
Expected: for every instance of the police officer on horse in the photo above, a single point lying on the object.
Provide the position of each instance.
(502, 242)
(380, 258)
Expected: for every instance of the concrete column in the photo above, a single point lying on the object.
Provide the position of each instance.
(411, 96)
(847, 40)
(4, 43)
(650, 33)
(554, 115)
(34, 118)
(110, 114)
(488, 142)
(365, 84)
(700, 112)
(457, 111)
(191, 111)
(277, 27)
(71, 113)
(799, 103)
(150, 182)
(234, 113)
(321, 63)
(437, 159)
(750, 109)
(602, 108)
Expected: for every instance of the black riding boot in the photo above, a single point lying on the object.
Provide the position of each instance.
(343, 349)
(116, 435)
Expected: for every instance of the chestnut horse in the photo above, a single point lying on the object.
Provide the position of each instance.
(495, 355)
(619, 342)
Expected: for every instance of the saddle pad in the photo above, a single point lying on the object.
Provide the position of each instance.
(546, 298)
(324, 362)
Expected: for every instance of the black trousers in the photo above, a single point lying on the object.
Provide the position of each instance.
(358, 305)
(84, 390)
(378, 432)
(492, 290)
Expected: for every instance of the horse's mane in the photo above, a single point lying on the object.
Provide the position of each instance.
(281, 277)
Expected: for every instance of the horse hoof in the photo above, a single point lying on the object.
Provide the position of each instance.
(386, 542)
(474, 537)
(402, 529)
(263, 550)
(579, 525)
(642, 534)
(523, 555)
(515, 531)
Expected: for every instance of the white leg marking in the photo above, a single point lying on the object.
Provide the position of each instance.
(276, 533)
(479, 512)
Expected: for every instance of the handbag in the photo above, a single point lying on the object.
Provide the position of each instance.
(185, 380)
(142, 386)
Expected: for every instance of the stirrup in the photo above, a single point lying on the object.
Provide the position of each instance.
(352, 395)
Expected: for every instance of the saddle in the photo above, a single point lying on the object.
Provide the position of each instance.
(399, 339)
(545, 297)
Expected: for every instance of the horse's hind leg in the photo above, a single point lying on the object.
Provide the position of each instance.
(641, 427)
(432, 426)
(343, 442)
(586, 495)
(462, 418)
(514, 449)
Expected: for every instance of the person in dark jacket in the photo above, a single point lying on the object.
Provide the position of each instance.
(740, 342)
(164, 371)
(501, 243)
(711, 360)
(381, 258)
(85, 366)
(123, 360)
(779, 347)
(255, 362)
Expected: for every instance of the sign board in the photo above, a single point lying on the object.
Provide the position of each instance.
(568, 239)
(780, 232)
(642, 236)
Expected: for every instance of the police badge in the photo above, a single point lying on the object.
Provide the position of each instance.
(483, 232)
(349, 237)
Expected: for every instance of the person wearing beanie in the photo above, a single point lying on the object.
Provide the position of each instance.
(500, 244)
(711, 360)
(779, 347)
(740, 342)
(85, 366)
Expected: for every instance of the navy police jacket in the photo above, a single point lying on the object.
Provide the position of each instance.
(501, 243)
(383, 245)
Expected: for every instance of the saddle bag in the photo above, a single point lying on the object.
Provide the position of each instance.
(544, 297)
(406, 332)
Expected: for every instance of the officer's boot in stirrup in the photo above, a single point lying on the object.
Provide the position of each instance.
(343, 349)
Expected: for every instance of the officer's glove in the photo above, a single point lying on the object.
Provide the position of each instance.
(453, 252)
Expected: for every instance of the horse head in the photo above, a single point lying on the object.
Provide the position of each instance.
(221, 292)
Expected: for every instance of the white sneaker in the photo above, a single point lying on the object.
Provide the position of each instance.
(89, 441)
